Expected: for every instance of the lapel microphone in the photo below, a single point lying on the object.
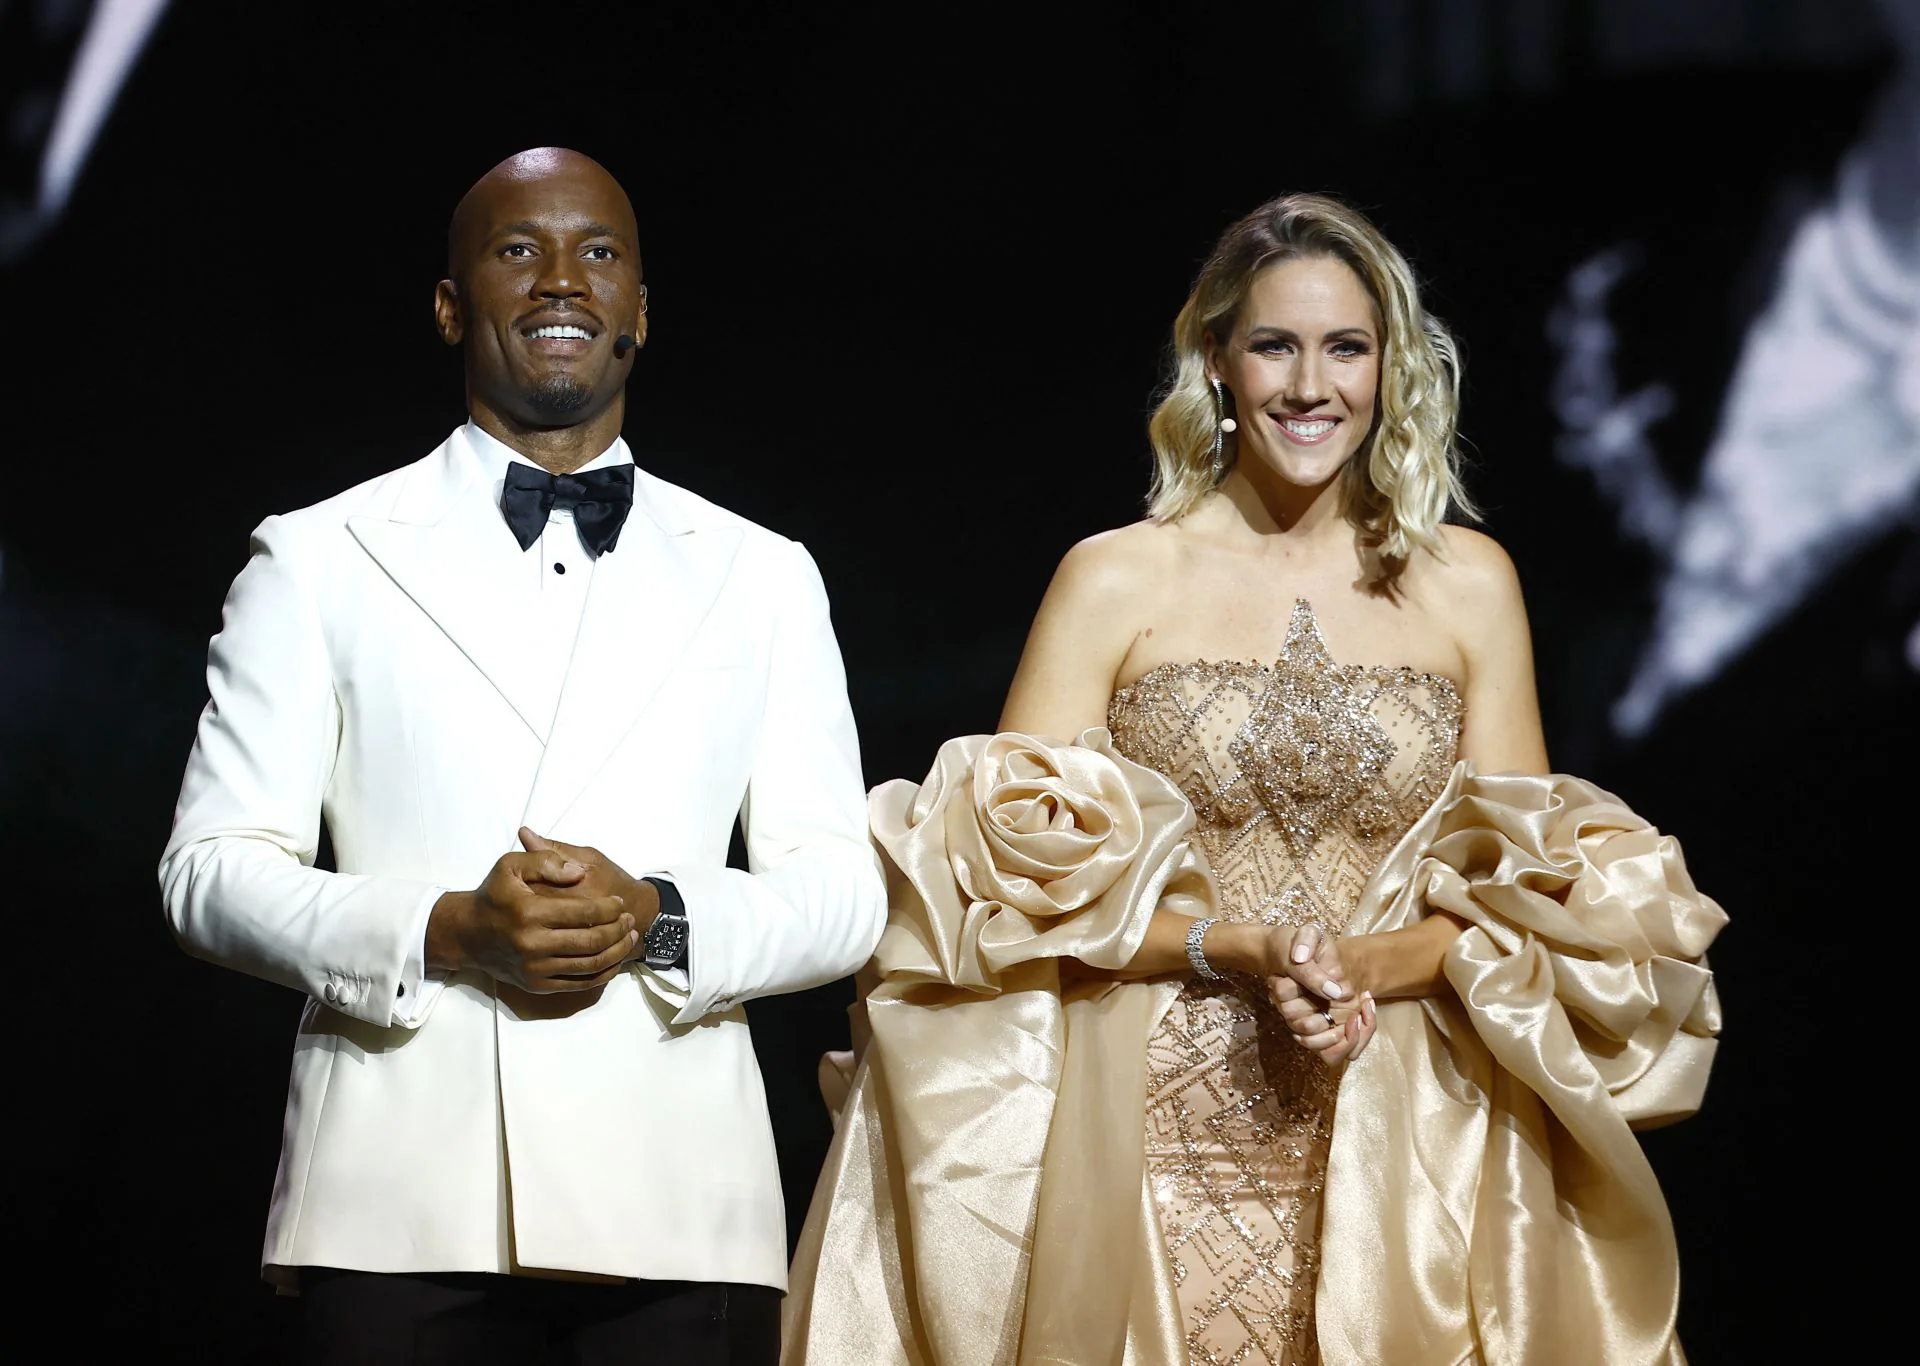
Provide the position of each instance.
(625, 342)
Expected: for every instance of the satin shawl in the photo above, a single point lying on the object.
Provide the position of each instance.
(979, 1205)
(984, 1200)
(1486, 1199)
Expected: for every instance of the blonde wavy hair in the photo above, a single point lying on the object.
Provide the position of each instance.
(1399, 487)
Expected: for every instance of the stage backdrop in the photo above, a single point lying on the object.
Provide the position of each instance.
(912, 273)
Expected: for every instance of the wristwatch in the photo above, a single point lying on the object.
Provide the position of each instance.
(664, 945)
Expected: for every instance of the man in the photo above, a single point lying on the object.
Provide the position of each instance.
(525, 1111)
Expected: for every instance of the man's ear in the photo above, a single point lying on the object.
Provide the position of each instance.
(446, 312)
(639, 329)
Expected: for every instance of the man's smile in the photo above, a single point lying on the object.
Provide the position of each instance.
(550, 337)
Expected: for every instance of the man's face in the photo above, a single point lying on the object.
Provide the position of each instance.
(546, 277)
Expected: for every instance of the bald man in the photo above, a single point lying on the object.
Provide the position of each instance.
(529, 688)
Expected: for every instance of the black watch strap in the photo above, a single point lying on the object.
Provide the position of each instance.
(672, 904)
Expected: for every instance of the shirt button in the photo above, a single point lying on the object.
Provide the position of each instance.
(331, 993)
(559, 568)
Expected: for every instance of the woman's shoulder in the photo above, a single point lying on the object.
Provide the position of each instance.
(1468, 563)
(1122, 560)
(1470, 583)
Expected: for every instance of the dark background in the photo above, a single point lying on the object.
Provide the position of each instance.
(912, 271)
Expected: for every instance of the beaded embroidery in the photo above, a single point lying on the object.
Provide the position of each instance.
(1303, 773)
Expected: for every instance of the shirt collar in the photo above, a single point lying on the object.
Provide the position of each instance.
(495, 455)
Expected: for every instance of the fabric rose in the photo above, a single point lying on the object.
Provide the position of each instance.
(1019, 849)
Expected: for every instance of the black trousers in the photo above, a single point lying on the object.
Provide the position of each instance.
(365, 1318)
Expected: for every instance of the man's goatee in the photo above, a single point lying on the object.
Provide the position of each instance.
(558, 396)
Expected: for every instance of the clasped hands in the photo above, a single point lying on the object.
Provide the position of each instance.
(1307, 981)
(549, 917)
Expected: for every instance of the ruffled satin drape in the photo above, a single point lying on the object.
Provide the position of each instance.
(980, 1206)
(1486, 1199)
(983, 1203)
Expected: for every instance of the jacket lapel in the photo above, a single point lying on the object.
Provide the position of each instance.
(446, 546)
(648, 599)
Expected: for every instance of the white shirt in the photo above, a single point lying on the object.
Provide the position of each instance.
(559, 572)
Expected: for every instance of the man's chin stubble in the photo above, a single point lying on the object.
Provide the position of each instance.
(558, 397)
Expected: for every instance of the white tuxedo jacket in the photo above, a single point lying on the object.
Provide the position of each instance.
(372, 667)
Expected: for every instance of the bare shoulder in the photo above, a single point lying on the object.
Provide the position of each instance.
(1117, 566)
(1472, 556)
(1473, 572)
(1086, 624)
(1468, 586)
(1474, 591)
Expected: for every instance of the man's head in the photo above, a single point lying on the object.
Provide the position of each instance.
(544, 275)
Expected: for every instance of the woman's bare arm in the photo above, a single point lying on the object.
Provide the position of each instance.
(1502, 732)
(1078, 641)
(1480, 594)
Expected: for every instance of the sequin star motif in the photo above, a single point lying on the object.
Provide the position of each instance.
(1312, 748)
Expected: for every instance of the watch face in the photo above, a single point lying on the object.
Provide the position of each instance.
(665, 938)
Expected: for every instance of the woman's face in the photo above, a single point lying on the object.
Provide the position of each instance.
(1303, 364)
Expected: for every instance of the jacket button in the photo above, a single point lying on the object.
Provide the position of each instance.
(331, 993)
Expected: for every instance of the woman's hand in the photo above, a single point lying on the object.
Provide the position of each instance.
(1305, 957)
(1333, 1033)
(1313, 993)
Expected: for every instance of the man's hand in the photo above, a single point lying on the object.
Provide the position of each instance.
(535, 923)
(600, 876)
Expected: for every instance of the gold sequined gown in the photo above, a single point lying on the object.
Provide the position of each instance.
(1303, 773)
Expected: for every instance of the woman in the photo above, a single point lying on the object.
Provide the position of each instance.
(1299, 644)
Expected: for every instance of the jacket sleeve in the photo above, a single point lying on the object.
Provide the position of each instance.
(237, 876)
(811, 904)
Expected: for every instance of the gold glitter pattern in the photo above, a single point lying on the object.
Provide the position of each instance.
(1304, 773)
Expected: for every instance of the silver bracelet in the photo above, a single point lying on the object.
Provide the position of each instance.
(1195, 955)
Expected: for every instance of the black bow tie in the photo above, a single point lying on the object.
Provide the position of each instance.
(600, 500)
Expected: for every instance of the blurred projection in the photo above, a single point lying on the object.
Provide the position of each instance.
(59, 118)
(1817, 452)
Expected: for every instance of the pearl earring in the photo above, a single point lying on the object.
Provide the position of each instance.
(1225, 426)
